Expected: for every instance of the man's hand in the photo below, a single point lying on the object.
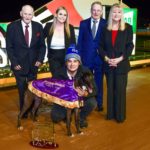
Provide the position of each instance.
(37, 64)
(81, 92)
(18, 67)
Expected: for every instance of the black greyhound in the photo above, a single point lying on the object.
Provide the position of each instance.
(29, 99)
(84, 82)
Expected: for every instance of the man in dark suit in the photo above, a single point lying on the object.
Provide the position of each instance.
(25, 48)
(88, 43)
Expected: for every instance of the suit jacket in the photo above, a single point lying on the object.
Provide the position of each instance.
(87, 45)
(123, 47)
(18, 51)
(68, 41)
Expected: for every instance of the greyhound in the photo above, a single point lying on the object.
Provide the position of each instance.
(84, 82)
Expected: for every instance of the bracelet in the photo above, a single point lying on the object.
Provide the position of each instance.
(106, 59)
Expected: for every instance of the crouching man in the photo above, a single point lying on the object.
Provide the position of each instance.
(74, 70)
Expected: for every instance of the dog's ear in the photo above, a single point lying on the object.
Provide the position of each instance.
(88, 79)
(78, 82)
(87, 76)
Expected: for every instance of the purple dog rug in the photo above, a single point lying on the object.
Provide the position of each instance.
(61, 92)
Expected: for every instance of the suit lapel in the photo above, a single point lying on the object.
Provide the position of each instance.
(33, 33)
(118, 37)
(66, 39)
(110, 38)
(21, 33)
(89, 26)
(101, 24)
(98, 29)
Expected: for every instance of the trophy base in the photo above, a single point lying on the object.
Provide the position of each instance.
(44, 144)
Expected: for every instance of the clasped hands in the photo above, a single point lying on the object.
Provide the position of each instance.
(113, 62)
(18, 67)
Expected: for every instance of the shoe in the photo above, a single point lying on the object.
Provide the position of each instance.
(120, 121)
(100, 108)
(83, 124)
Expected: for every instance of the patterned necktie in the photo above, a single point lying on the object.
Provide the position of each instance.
(27, 34)
(94, 28)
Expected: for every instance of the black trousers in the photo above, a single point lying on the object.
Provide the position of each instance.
(116, 96)
(22, 84)
(56, 59)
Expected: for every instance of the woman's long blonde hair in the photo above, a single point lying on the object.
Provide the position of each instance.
(122, 23)
(66, 24)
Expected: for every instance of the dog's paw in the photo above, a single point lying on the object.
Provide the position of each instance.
(80, 132)
(70, 134)
(20, 128)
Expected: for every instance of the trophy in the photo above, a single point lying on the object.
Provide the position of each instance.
(43, 135)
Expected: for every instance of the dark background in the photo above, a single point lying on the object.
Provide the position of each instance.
(143, 6)
(9, 10)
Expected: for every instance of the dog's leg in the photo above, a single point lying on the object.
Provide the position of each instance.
(77, 119)
(68, 123)
(28, 99)
(37, 102)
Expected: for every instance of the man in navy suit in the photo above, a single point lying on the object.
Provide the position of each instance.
(88, 43)
(26, 53)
